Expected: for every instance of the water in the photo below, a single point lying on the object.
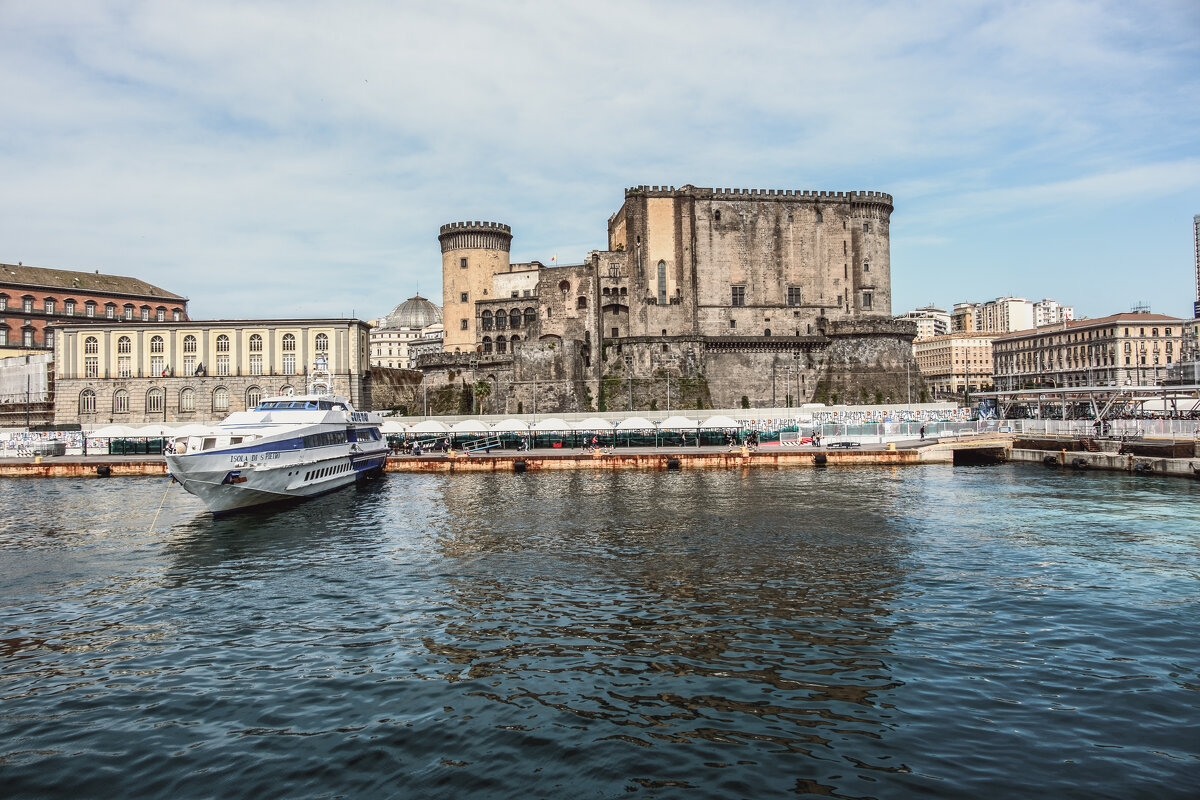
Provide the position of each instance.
(890, 633)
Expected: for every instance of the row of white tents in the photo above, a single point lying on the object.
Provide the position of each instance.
(469, 427)
(555, 425)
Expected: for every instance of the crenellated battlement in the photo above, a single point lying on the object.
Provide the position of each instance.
(475, 236)
(790, 195)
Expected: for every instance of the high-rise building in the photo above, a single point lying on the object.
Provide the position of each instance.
(1196, 241)
(931, 321)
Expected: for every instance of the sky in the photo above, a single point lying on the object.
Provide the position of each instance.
(296, 159)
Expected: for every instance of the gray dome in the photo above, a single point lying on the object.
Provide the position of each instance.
(415, 312)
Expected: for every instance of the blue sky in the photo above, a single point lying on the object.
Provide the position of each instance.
(297, 158)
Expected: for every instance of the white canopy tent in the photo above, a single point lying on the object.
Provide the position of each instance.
(552, 424)
(510, 426)
(392, 426)
(114, 432)
(718, 422)
(471, 426)
(429, 426)
(678, 424)
(593, 424)
(635, 424)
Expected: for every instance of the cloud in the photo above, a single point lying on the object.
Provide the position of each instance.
(266, 158)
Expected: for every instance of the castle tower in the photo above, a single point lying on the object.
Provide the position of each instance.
(472, 252)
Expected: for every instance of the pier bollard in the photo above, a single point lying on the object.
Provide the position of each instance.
(37, 459)
(1062, 460)
(891, 445)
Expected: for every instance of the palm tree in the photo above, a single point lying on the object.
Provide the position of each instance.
(483, 390)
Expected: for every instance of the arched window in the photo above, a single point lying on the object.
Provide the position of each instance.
(767, 332)
(604, 291)
(624, 291)
(486, 320)
(220, 399)
(289, 342)
(253, 396)
(564, 287)
(91, 346)
(286, 391)
(87, 402)
(121, 402)
(514, 339)
(501, 320)
(514, 318)
(662, 283)
(155, 399)
(187, 400)
(322, 342)
(156, 344)
(255, 343)
(530, 316)
(581, 302)
(222, 344)
(487, 345)
(501, 344)
(189, 344)
(124, 345)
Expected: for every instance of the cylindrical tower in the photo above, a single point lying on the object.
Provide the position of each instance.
(472, 252)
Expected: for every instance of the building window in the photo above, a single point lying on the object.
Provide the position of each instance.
(501, 344)
(145, 313)
(189, 365)
(820, 216)
(189, 344)
(866, 267)
(27, 305)
(487, 345)
(739, 295)
(156, 344)
(662, 283)
(530, 316)
(289, 342)
(91, 367)
(222, 363)
(322, 343)
(220, 399)
(91, 345)
(866, 300)
(581, 302)
(157, 366)
(514, 318)
(49, 306)
(253, 396)
(89, 308)
(733, 323)
(256, 364)
(48, 338)
(462, 324)
(27, 337)
(128, 311)
(69, 307)
(501, 320)
(121, 402)
(110, 310)
(793, 296)
(462, 263)
(462, 297)
(176, 315)
(289, 363)
(155, 401)
(124, 345)
(87, 402)
(3, 302)
(486, 321)
(124, 367)
(616, 333)
(866, 227)
(255, 343)
(222, 344)
(160, 314)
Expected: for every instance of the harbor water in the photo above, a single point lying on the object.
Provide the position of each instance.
(938, 631)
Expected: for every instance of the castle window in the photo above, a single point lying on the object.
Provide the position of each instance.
(866, 267)
(866, 227)
(733, 323)
(110, 310)
(462, 324)
(487, 345)
(515, 293)
(145, 313)
(564, 287)
(581, 302)
(69, 307)
(462, 263)
(793, 296)
(530, 316)
(176, 314)
(486, 324)
(27, 305)
(739, 295)
(662, 283)
(514, 318)
(616, 333)
(866, 300)
(501, 344)
(462, 297)
(820, 216)
(844, 247)
(717, 216)
(90, 308)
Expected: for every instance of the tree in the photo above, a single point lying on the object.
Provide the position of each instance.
(483, 390)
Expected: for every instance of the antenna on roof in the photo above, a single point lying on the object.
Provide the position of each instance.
(1140, 308)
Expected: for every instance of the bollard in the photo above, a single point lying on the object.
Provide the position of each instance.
(1062, 460)
(37, 459)
(891, 445)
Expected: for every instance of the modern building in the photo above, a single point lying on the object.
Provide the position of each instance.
(734, 295)
(409, 321)
(199, 370)
(1007, 314)
(956, 362)
(34, 301)
(1121, 349)
(930, 320)
(1051, 312)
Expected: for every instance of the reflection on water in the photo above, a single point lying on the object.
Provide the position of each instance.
(852, 633)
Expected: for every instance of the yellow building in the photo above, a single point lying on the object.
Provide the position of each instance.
(956, 361)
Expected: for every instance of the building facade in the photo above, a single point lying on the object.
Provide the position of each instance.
(1134, 349)
(1007, 314)
(199, 371)
(956, 362)
(35, 301)
(930, 321)
(741, 296)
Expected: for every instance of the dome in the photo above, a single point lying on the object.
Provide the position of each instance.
(415, 312)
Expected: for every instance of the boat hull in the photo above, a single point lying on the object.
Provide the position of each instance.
(225, 485)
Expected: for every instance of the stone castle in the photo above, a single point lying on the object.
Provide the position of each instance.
(704, 298)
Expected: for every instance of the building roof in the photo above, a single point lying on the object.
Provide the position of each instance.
(1128, 317)
(415, 313)
(91, 282)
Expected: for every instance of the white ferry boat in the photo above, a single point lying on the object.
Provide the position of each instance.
(288, 447)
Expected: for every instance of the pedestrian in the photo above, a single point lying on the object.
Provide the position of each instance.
(922, 431)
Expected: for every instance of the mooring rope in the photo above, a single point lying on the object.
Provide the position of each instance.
(154, 521)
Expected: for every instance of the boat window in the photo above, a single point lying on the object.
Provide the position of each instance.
(235, 440)
(209, 444)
